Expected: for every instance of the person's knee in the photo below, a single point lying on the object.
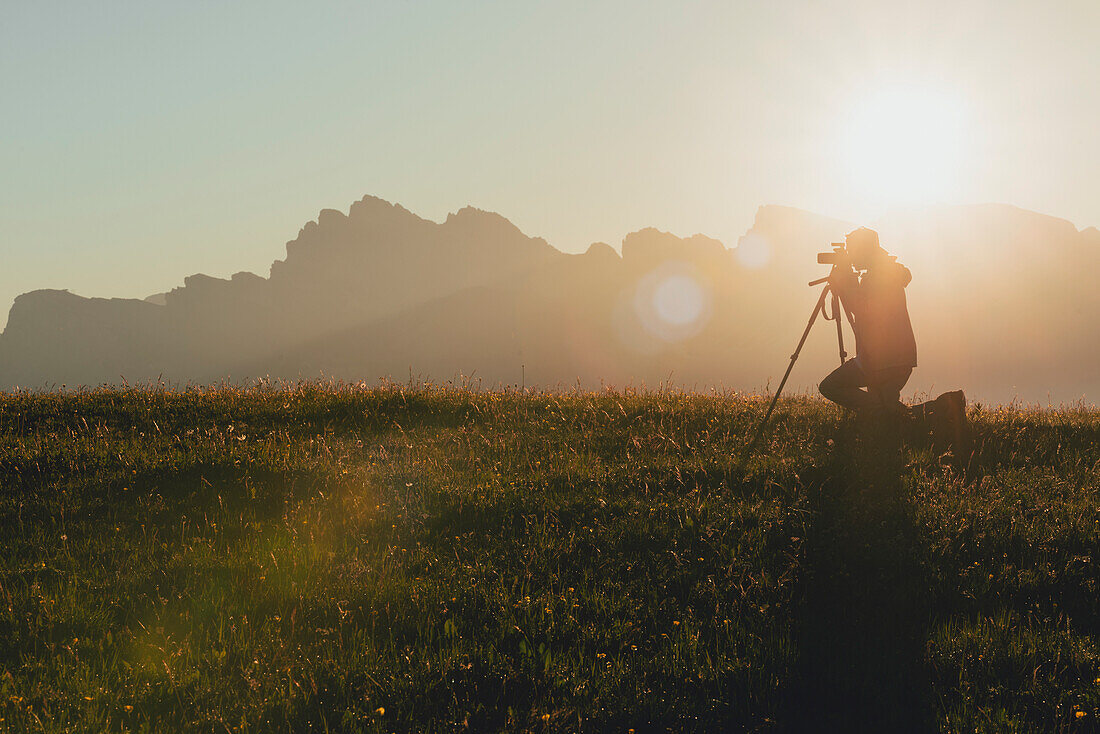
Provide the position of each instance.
(827, 387)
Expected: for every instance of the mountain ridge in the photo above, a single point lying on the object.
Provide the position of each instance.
(481, 296)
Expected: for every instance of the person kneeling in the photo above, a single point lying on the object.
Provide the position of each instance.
(871, 287)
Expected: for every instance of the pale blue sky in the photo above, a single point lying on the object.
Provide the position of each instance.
(141, 142)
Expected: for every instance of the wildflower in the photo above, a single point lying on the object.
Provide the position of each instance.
(546, 717)
(380, 711)
(1081, 714)
(127, 708)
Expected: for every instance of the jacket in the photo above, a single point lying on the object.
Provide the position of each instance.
(880, 317)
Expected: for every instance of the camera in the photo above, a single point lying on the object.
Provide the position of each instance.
(838, 257)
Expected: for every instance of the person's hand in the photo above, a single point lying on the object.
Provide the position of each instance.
(843, 278)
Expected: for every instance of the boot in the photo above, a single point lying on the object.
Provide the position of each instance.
(959, 435)
(945, 418)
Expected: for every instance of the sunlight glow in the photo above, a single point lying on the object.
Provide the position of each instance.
(753, 251)
(904, 146)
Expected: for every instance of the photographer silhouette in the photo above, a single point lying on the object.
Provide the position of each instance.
(869, 285)
(886, 350)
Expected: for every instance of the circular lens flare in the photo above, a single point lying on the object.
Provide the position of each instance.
(678, 300)
(672, 302)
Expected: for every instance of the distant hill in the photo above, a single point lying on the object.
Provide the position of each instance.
(1002, 302)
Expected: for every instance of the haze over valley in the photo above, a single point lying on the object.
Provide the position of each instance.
(999, 296)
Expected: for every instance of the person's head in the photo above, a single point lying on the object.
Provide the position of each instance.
(863, 247)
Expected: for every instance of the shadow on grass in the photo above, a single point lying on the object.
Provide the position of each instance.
(863, 623)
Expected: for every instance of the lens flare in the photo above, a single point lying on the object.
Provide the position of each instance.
(678, 300)
(672, 302)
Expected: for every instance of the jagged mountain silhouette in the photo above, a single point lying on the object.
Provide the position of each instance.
(1002, 303)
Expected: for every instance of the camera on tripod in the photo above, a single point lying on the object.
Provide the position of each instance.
(838, 257)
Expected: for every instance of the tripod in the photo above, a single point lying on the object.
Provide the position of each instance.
(836, 310)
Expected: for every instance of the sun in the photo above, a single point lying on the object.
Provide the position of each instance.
(904, 146)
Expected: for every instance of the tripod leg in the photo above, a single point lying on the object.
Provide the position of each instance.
(794, 357)
(839, 329)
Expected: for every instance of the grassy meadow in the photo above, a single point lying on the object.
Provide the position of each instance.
(335, 558)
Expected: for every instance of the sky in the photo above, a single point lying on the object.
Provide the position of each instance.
(141, 142)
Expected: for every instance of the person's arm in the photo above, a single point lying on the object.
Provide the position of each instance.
(894, 274)
(846, 285)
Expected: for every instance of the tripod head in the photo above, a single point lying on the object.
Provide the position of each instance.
(827, 279)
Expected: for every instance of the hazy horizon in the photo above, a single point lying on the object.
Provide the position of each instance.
(376, 291)
(143, 144)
